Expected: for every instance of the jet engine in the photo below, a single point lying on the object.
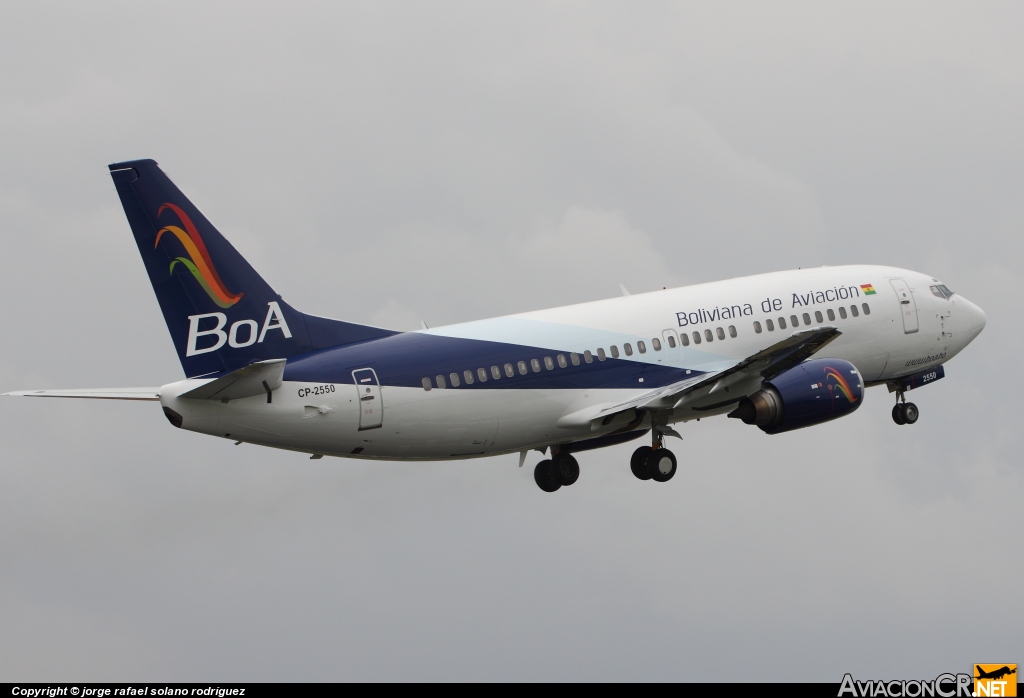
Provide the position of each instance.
(816, 391)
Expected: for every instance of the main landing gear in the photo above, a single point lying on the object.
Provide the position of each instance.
(562, 470)
(653, 462)
(904, 412)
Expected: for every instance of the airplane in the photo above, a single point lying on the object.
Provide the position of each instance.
(780, 351)
(995, 674)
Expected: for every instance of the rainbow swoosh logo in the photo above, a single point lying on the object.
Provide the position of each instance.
(198, 261)
(841, 383)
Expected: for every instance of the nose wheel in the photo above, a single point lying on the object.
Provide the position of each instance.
(904, 412)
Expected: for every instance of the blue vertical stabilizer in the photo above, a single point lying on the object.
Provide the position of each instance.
(221, 314)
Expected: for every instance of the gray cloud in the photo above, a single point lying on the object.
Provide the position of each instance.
(395, 162)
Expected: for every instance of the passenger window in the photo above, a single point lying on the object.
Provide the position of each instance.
(562, 363)
(866, 307)
(732, 331)
(770, 325)
(853, 310)
(440, 381)
(807, 319)
(757, 327)
(793, 319)
(656, 343)
(522, 368)
(615, 352)
(509, 371)
(672, 341)
(426, 384)
(454, 377)
(684, 338)
(709, 336)
(721, 333)
(575, 358)
(696, 337)
(468, 375)
(496, 372)
(842, 312)
(782, 323)
(549, 364)
(481, 373)
(535, 365)
(831, 314)
(641, 347)
(588, 357)
(628, 348)
(600, 354)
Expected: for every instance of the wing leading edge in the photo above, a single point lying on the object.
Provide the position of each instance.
(766, 364)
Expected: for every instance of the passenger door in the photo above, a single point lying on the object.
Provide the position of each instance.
(371, 406)
(907, 306)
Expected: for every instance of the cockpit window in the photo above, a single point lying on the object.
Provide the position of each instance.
(936, 292)
(945, 290)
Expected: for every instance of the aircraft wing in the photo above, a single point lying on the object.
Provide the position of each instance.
(766, 363)
(151, 394)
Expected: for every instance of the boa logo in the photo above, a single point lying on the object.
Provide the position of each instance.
(198, 261)
(253, 333)
(841, 384)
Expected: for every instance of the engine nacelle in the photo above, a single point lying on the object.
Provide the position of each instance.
(816, 391)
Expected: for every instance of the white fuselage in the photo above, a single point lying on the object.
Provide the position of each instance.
(889, 339)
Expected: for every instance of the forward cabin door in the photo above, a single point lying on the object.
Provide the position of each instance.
(907, 305)
(371, 407)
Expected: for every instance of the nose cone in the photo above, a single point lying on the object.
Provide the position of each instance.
(976, 314)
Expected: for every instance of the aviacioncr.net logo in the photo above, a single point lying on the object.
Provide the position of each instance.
(943, 686)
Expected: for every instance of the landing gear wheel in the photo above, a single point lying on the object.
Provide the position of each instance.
(897, 414)
(910, 412)
(564, 470)
(638, 463)
(661, 464)
(543, 477)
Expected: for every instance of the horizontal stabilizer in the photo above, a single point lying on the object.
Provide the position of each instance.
(151, 394)
(256, 379)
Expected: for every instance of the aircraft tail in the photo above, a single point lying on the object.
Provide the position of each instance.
(221, 314)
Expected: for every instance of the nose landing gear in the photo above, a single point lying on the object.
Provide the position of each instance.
(904, 412)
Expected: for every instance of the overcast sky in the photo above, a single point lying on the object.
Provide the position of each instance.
(391, 163)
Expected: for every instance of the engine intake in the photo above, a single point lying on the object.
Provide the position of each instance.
(814, 392)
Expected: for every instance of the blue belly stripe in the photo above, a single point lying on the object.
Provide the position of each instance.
(404, 360)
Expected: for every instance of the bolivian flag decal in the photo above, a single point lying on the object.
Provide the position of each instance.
(868, 289)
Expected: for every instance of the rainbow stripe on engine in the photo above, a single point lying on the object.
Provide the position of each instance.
(841, 383)
(199, 263)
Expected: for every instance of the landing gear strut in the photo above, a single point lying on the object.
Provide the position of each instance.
(904, 412)
(562, 470)
(653, 462)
